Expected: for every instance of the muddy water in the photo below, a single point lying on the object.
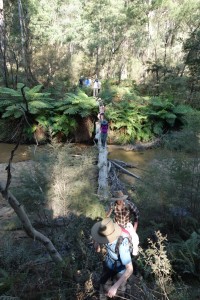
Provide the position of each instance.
(23, 152)
(139, 159)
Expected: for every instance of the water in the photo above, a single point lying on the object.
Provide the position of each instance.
(23, 152)
(139, 159)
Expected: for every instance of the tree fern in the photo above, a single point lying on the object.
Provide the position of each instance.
(186, 255)
(78, 104)
(14, 103)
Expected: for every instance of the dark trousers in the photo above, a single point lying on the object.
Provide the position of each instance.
(103, 139)
(107, 274)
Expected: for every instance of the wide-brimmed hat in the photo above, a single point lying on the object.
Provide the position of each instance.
(105, 231)
(118, 195)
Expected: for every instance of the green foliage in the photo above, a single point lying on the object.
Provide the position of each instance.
(164, 115)
(6, 280)
(192, 49)
(178, 140)
(77, 104)
(56, 124)
(14, 255)
(116, 93)
(154, 262)
(125, 118)
(14, 105)
(185, 255)
(53, 117)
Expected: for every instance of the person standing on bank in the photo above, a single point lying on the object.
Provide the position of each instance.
(81, 81)
(95, 87)
(103, 130)
(124, 210)
(116, 265)
(99, 86)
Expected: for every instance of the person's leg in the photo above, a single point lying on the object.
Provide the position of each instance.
(95, 92)
(103, 140)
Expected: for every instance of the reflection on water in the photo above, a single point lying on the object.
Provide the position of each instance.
(137, 158)
(22, 153)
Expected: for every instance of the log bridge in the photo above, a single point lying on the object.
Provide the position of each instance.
(108, 180)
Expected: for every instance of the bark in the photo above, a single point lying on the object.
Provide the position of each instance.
(3, 46)
(103, 167)
(29, 229)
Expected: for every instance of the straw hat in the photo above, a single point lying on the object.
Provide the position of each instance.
(105, 231)
(118, 195)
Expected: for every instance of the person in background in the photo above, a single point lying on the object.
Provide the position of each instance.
(87, 82)
(101, 110)
(124, 212)
(99, 86)
(81, 81)
(103, 130)
(95, 88)
(117, 267)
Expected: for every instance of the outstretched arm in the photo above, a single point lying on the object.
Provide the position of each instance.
(113, 290)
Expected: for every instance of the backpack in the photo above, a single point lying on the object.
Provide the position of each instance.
(121, 239)
(104, 127)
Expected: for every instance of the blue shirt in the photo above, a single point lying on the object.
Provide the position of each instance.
(112, 259)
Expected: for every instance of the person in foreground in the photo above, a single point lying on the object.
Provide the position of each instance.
(124, 211)
(118, 263)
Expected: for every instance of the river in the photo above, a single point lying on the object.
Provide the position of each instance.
(25, 152)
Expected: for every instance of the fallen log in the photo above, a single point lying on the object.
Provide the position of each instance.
(103, 167)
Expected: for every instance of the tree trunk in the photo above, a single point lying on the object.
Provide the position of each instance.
(25, 46)
(3, 46)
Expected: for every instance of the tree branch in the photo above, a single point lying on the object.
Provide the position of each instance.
(29, 229)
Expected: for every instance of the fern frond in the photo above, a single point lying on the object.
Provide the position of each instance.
(71, 111)
(39, 104)
(10, 92)
(36, 89)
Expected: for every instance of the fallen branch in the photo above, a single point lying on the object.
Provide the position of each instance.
(29, 229)
(123, 164)
(125, 171)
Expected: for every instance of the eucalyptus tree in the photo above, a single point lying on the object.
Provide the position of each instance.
(3, 45)
(109, 28)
